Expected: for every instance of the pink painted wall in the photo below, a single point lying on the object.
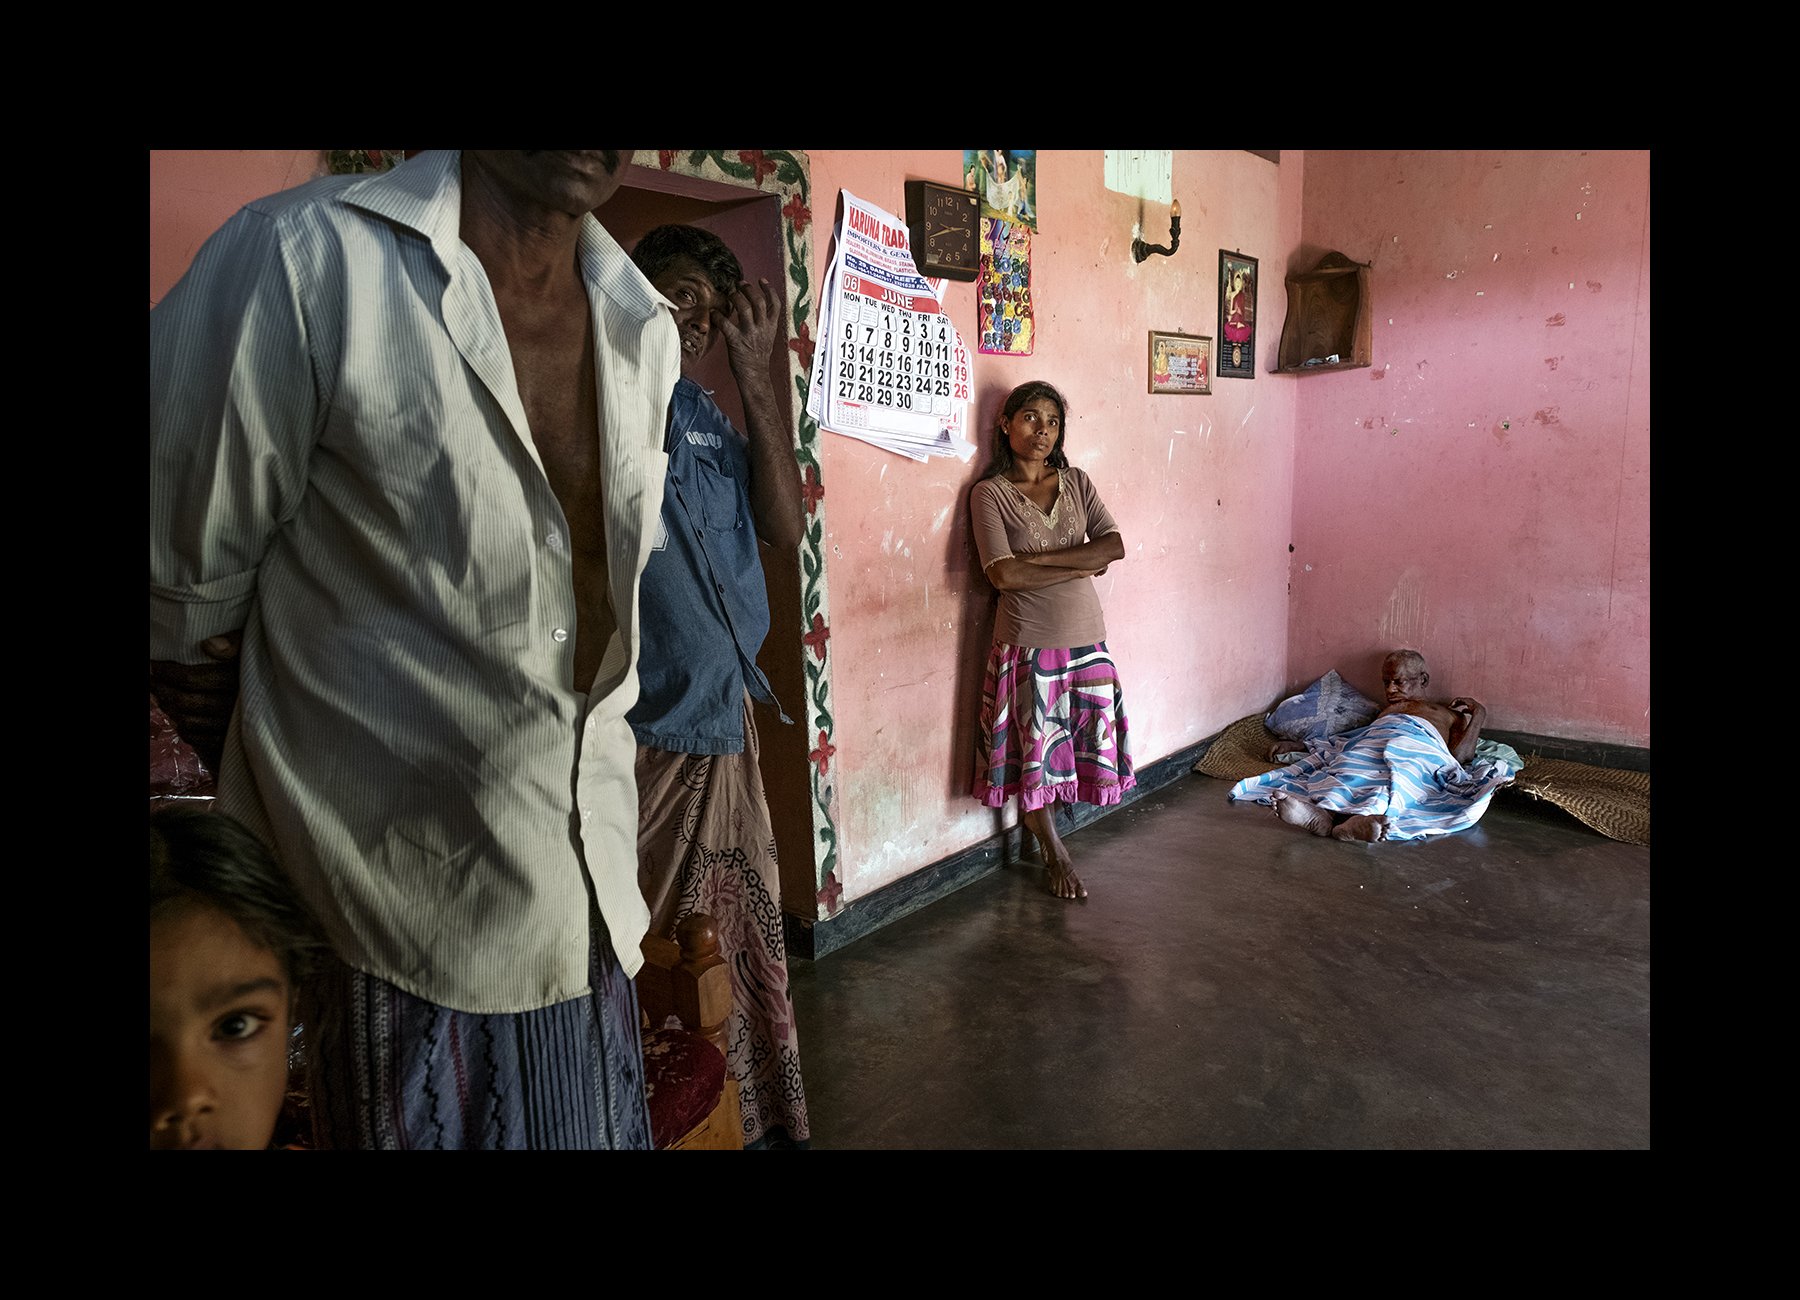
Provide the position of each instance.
(1201, 486)
(1483, 492)
(194, 191)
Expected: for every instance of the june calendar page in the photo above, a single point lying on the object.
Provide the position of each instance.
(897, 351)
(893, 371)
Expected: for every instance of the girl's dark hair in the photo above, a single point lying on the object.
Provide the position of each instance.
(200, 857)
(1028, 392)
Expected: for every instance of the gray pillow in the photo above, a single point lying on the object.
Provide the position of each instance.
(1328, 706)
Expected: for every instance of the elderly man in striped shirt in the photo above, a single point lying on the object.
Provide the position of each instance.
(405, 469)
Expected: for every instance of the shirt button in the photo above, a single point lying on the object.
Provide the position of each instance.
(561, 634)
(554, 541)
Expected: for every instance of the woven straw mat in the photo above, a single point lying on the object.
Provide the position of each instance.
(1614, 802)
(1242, 750)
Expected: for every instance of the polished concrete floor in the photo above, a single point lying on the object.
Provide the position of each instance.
(1232, 982)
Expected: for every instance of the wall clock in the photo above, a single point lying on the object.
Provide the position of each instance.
(943, 225)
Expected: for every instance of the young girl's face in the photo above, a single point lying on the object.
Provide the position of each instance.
(219, 1020)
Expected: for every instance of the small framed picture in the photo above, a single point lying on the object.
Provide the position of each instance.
(1180, 363)
(1237, 316)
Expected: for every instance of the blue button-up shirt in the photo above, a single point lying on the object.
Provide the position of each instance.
(703, 611)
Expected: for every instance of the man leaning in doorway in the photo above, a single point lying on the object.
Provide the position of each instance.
(705, 840)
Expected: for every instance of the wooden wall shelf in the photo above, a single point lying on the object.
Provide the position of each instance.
(1329, 314)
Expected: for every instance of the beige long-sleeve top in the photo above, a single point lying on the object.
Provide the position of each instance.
(340, 464)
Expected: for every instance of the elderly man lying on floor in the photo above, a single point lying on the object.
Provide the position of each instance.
(1413, 772)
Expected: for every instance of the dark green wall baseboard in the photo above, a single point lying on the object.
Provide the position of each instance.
(1592, 752)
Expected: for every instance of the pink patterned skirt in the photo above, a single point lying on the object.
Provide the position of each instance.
(1053, 728)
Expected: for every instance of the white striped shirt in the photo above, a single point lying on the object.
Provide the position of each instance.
(340, 465)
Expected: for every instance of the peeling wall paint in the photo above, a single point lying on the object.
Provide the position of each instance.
(1403, 621)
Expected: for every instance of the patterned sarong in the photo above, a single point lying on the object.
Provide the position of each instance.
(388, 1071)
(1398, 767)
(1053, 728)
(705, 844)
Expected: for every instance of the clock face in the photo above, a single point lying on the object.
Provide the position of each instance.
(945, 226)
(950, 229)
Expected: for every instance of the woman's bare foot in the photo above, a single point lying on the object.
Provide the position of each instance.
(1064, 883)
(1296, 811)
(1370, 830)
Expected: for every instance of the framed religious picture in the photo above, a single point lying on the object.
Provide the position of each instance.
(1237, 316)
(1180, 363)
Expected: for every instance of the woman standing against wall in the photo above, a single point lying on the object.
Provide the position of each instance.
(1053, 724)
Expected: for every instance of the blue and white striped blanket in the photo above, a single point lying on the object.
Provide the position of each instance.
(1397, 766)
